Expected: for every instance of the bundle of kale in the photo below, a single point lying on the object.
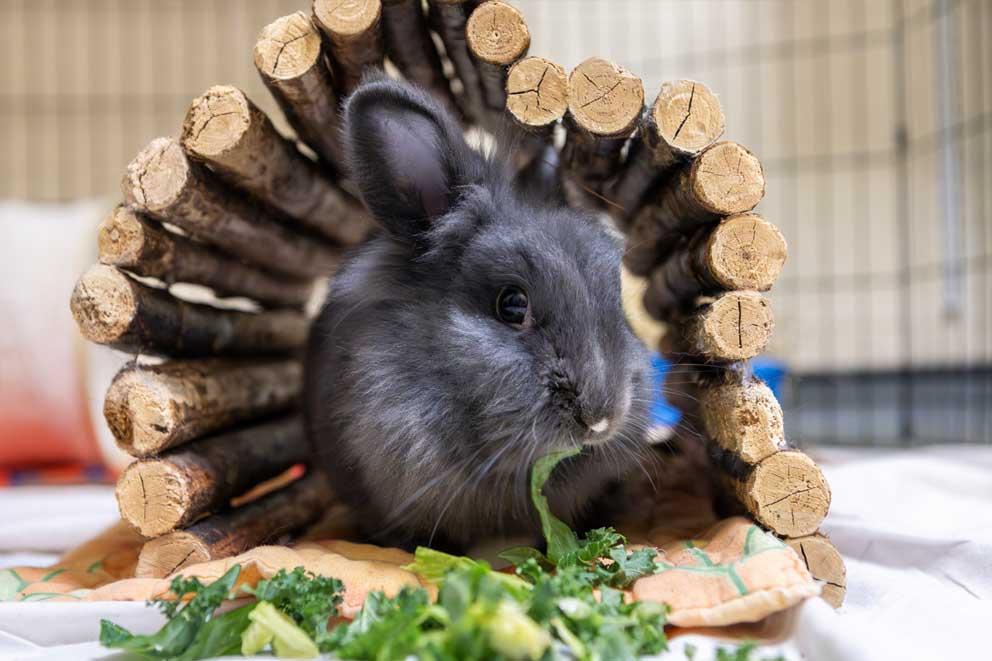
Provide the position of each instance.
(566, 603)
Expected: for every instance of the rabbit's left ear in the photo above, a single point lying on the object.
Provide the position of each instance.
(407, 155)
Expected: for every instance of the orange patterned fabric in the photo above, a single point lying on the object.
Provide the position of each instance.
(730, 573)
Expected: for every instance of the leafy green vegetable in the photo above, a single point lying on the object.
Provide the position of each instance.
(559, 537)
(185, 621)
(310, 600)
(288, 640)
(566, 604)
(220, 636)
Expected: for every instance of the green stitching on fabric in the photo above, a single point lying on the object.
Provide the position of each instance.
(52, 574)
(45, 596)
(10, 584)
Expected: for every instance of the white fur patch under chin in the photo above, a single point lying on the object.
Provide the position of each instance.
(600, 426)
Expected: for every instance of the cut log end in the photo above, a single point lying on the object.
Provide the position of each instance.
(152, 497)
(727, 179)
(688, 116)
(287, 47)
(157, 175)
(746, 252)
(603, 98)
(122, 240)
(497, 33)
(216, 121)
(537, 92)
(347, 18)
(743, 418)
(168, 554)
(139, 413)
(104, 304)
(735, 326)
(825, 564)
(787, 493)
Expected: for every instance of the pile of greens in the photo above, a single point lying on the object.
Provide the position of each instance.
(565, 603)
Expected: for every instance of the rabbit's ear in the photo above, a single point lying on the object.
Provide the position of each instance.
(406, 154)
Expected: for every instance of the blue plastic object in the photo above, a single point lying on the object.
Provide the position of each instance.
(772, 372)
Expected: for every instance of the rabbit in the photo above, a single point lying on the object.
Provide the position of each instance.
(477, 331)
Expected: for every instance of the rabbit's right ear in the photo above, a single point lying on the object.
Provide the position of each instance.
(407, 155)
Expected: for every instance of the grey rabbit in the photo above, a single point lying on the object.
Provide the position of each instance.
(476, 332)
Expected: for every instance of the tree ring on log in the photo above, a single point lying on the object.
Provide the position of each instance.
(497, 33)
(688, 115)
(537, 92)
(727, 179)
(287, 47)
(603, 98)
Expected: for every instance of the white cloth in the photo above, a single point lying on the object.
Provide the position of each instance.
(915, 529)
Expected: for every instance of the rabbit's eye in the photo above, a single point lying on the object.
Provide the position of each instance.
(512, 306)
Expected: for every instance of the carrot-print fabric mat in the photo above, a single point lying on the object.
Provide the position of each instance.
(733, 572)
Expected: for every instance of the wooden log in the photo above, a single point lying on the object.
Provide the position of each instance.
(178, 487)
(604, 103)
(726, 179)
(539, 179)
(237, 530)
(733, 326)
(786, 493)
(497, 37)
(684, 119)
(741, 252)
(163, 183)
(537, 94)
(113, 309)
(742, 417)
(352, 29)
(291, 61)
(227, 131)
(150, 408)
(410, 47)
(824, 563)
(449, 19)
(137, 244)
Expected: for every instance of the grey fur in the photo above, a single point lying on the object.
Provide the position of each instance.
(424, 408)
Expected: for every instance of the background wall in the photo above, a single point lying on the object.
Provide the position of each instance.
(871, 118)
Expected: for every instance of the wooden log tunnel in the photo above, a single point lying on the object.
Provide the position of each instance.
(237, 208)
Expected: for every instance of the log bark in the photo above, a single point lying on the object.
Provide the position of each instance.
(140, 245)
(410, 47)
(537, 95)
(786, 493)
(237, 530)
(163, 183)
(224, 129)
(684, 119)
(113, 309)
(726, 179)
(824, 563)
(497, 37)
(449, 18)
(734, 326)
(741, 252)
(290, 59)
(742, 417)
(352, 29)
(150, 408)
(604, 104)
(178, 487)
